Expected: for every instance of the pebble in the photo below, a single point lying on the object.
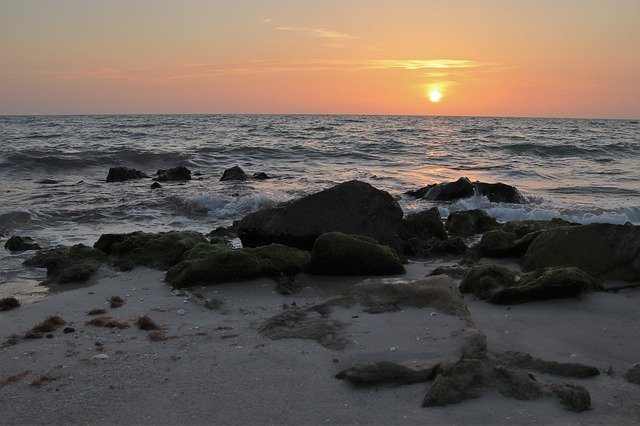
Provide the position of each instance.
(393, 348)
(181, 311)
(101, 357)
(68, 330)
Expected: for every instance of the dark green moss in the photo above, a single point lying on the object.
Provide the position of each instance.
(470, 222)
(453, 245)
(337, 253)
(155, 250)
(483, 280)
(424, 225)
(68, 264)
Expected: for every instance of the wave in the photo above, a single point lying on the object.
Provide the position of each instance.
(20, 216)
(226, 207)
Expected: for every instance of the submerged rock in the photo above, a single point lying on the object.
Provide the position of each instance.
(464, 188)
(498, 284)
(234, 173)
(121, 174)
(17, 243)
(209, 264)
(353, 207)
(467, 223)
(602, 250)
(161, 250)
(500, 192)
(179, 173)
(337, 253)
(66, 264)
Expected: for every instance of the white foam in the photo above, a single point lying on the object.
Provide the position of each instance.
(226, 207)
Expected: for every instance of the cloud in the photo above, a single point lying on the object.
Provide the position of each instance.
(418, 64)
(267, 20)
(319, 32)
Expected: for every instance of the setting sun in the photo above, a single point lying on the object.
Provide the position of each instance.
(435, 95)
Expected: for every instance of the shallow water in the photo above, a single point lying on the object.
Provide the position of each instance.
(581, 170)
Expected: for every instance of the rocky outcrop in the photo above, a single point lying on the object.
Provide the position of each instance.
(121, 174)
(352, 207)
(74, 264)
(602, 250)
(179, 173)
(17, 243)
(234, 173)
(155, 250)
(210, 264)
(337, 253)
(501, 285)
(464, 188)
(468, 223)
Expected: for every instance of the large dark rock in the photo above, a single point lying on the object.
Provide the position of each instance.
(498, 284)
(354, 207)
(209, 264)
(179, 173)
(120, 174)
(467, 223)
(17, 243)
(602, 250)
(161, 250)
(337, 253)
(464, 188)
(234, 173)
(421, 232)
(66, 264)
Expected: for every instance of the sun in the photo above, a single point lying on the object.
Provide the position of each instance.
(435, 95)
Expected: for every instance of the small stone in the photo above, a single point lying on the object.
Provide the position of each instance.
(181, 311)
(101, 357)
(393, 348)
(49, 336)
(68, 330)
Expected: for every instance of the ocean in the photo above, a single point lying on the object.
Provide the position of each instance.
(53, 169)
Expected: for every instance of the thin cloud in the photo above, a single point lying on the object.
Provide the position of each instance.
(320, 32)
(418, 64)
(267, 20)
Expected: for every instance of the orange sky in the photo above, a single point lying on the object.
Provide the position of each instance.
(508, 58)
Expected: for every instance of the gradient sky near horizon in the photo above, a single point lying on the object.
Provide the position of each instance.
(560, 58)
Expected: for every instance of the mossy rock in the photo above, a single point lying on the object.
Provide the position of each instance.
(337, 253)
(469, 223)
(602, 250)
(210, 264)
(66, 264)
(454, 246)
(425, 225)
(501, 285)
(523, 227)
(155, 250)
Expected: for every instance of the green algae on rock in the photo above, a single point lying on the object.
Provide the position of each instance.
(66, 264)
(155, 250)
(468, 223)
(337, 253)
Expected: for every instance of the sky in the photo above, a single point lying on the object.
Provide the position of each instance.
(560, 58)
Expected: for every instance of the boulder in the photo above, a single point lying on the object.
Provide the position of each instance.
(337, 253)
(454, 246)
(179, 173)
(450, 191)
(632, 375)
(74, 264)
(353, 207)
(209, 264)
(500, 193)
(261, 176)
(468, 223)
(501, 285)
(156, 250)
(424, 225)
(17, 243)
(603, 250)
(464, 188)
(121, 174)
(234, 173)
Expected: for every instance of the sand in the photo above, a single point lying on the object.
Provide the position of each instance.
(216, 368)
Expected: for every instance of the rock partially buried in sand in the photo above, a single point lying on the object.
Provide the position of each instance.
(501, 285)
(121, 174)
(388, 373)
(179, 173)
(9, 303)
(564, 369)
(602, 250)
(209, 264)
(161, 250)
(234, 173)
(261, 176)
(354, 207)
(337, 253)
(464, 188)
(470, 222)
(66, 264)
(17, 243)
(632, 375)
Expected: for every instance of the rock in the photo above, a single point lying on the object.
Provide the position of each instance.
(121, 174)
(419, 231)
(464, 188)
(234, 173)
(66, 264)
(632, 375)
(101, 357)
(388, 373)
(501, 285)
(452, 271)
(352, 207)
(575, 398)
(68, 330)
(500, 193)
(468, 223)
(605, 251)
(337, 253)
(286, 284)
(454, 246)
(48, 182)
(155, 185)
(420, 193)
(8, 303)
(564, 369)
(261, 176)
(161, 250)
(449, 191)
(16, 243)
(209, 264)
(179, 173)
